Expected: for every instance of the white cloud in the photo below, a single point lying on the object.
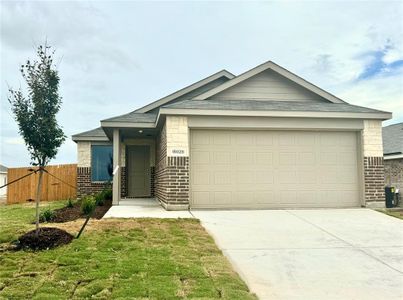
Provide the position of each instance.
(393, 55)
(15, 141)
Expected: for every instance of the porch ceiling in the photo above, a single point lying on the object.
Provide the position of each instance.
(126, 133)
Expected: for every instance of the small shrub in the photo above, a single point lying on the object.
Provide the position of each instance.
(88, 205)
(100, 199)
(70, 203)
(47, 215)
(102, 196)
(108, 194)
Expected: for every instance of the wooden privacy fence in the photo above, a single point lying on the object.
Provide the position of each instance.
(59, 184)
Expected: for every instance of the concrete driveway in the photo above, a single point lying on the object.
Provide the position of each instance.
(312, 254)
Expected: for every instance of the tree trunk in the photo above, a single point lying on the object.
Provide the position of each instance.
(37, 200)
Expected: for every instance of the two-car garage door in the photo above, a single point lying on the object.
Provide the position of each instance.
(273, 169)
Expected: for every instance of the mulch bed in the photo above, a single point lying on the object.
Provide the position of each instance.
(67, 214)
(48, 238)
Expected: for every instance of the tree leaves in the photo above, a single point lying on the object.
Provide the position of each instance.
(36, 112)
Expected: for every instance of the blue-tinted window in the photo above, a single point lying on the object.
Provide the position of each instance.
(101, 163)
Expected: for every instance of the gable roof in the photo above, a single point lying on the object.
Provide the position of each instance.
(185, 90)
(392, 136)
(195, 100)
(97, 134)
(279, 70)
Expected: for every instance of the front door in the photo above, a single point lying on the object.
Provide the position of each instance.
(138, 171)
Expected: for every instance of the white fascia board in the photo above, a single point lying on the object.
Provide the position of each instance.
(276, 68)
(185, 90)
(303, 114)
(393, 156)
(127, 125)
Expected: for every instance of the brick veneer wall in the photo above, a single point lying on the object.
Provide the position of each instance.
(86, 187)
(374, 179)
(123, 182)
(152, 179)
(161, 179)
(178, 177)
(394, 173)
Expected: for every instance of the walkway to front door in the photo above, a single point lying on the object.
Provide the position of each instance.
(143, 208)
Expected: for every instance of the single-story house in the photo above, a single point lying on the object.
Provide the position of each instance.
(266, 138)
(393, 155)
(3, 181)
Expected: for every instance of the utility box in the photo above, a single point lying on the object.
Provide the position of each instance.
(389, 196)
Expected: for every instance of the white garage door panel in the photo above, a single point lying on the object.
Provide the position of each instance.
(273, 169)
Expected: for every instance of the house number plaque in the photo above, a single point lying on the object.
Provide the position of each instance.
(178, 152)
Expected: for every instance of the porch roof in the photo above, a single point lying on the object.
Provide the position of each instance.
(97, 134)
(133, 117)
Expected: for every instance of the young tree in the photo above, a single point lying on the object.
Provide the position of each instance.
(36, 112)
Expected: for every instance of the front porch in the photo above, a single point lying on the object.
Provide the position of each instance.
(134, 156)
(151, 161)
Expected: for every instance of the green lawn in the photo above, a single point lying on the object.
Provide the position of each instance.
(393, 213)
(117, 259)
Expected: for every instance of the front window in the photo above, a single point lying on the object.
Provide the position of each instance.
(101, 163)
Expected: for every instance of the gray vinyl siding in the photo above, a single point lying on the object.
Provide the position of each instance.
(268, 85)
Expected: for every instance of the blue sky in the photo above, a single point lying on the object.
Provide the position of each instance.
(114, 57)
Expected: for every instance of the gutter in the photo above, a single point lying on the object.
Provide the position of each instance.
(392, 156)
(266, 113)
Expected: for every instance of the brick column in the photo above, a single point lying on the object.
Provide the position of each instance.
(172, 165)
(178, 182)
(374, 178)
(374, 175)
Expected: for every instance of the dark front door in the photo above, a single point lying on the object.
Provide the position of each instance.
(138, 171)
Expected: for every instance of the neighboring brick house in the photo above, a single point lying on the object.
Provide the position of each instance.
(393, 155)
(264, 139)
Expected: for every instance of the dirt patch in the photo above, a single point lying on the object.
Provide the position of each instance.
(67, 214)
(48, 238)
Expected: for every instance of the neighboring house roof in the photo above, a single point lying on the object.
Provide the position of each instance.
(276, 68)
(392, 136)
(96, 134)
(3, 169)
(250, 105)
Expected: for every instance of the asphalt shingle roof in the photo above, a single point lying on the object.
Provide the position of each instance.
(97, 132)
(392, 136)
(254, 105)
(133, 117)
